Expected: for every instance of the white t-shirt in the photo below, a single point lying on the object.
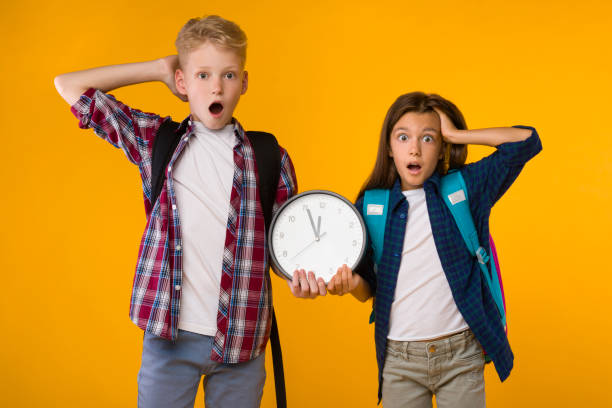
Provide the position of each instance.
(423, 307)
(203, 179)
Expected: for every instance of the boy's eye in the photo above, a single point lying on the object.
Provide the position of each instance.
(230, 75)
(402, 137)
(428, 138)
(202, 75)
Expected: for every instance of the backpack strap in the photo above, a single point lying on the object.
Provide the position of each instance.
(165, 142)
(375, 203)
(455, 195)
(268, 162)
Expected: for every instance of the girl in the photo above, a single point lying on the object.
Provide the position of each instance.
(434, 313)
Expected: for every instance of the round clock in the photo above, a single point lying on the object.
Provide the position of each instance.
(316, 231)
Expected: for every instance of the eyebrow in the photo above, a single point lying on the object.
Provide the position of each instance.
(228, 68)
(426, 129)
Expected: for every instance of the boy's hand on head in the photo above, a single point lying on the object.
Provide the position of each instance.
(170, 64)
(306, 286)
(343, 282)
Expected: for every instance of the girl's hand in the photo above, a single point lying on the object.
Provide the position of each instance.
(343, 282)
(306, 286)
(169, 66)
(447, 128)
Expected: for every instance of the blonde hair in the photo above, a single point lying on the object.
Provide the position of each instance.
(217, 30)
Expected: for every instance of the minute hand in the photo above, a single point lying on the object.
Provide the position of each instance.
(314, 229)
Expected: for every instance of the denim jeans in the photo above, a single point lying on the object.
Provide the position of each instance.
(170, 374)
(452, 369)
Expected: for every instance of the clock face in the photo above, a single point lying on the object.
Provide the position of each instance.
(316, 231)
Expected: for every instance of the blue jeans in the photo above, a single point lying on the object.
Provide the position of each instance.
(171, 371)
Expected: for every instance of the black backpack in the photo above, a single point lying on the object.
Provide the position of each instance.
(267, 158)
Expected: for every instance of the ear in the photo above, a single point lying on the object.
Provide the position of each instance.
(245, 82)
(179, 80)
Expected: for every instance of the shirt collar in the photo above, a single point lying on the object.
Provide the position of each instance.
(187, 126)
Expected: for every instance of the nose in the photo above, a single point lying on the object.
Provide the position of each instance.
(217, 86)
(414, 147)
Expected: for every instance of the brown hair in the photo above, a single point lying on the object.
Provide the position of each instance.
(384, 173)
(219, 31)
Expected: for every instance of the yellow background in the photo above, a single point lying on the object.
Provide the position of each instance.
(322, 75)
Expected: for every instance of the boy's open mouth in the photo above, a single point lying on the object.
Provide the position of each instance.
(215, 108)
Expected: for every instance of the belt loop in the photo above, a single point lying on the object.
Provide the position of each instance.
(450, 347)
(406, 345)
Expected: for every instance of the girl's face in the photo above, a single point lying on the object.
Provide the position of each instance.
(416, 147)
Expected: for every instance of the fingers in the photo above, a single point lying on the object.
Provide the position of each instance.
(306, 286)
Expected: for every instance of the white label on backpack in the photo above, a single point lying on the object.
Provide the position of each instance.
(457, 197)
(375, 209)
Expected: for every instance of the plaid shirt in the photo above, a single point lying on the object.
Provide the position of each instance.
(245, 301)
(486, 180)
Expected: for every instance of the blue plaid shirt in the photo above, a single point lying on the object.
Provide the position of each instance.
(486, 180)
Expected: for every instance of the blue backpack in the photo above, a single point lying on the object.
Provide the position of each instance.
(454, 191)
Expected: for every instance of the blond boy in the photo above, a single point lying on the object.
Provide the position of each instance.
(202, 287)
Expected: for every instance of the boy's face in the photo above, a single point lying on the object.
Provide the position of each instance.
(416, 147)
(213, 80)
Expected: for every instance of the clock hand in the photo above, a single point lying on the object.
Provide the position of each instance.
(315, 230)
(318, 225)
(308, 246)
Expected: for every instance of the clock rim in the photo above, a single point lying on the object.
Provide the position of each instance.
(272, 256)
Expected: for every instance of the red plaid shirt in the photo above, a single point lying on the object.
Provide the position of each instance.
(245, 302)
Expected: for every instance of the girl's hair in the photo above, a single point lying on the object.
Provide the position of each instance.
(384, 174)
(219, 31)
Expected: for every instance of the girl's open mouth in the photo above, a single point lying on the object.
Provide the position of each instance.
(215, 109)
(414, 168)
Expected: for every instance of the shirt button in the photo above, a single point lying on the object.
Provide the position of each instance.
(185, 138)
(169, 169)
(432, 349)
(402, 216)
(178, 247)
(396, 254)
(177, 287)
(174, 206)
(189, 122)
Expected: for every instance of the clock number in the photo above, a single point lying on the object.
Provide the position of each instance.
(285, 254)
(351, 224)
(291, 218)
(354, 242)
(305, 207)
(322, 204)
(281, 235)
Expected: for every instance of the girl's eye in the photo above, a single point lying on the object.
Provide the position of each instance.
(230, 75)
(428, 139)
(202, 75)
(402, 137)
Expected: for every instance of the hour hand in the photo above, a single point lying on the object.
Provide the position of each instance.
(312, 224)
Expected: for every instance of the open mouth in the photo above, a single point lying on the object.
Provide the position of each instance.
(215, 108)
(414, 168)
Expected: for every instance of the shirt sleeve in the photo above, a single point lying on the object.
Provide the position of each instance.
(287, 182)
(126, 128)
(491, 177)
(365, 268)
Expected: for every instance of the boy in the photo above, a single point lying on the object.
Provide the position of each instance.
(202, 287)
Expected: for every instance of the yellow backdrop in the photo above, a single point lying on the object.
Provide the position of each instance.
(322, 75)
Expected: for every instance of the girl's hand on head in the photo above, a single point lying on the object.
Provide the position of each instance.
(306, 286)
(343, 282)
(169, 66)
(447, 128)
